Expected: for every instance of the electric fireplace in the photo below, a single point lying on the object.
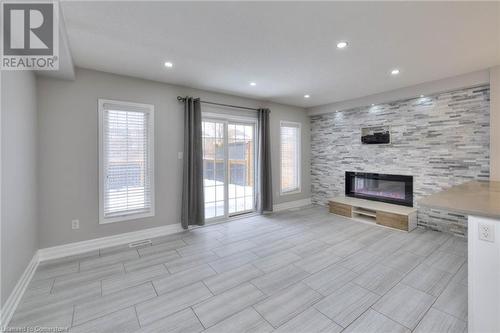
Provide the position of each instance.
(395, 189)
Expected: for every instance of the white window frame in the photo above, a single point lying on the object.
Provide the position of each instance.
(284, 123)
(146, 108)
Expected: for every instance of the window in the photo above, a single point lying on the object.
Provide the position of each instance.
(126, 161)
(290, 157)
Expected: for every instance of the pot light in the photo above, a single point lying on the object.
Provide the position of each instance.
(421, 96)
(253, 84)
(307, 96)
(373, 104)
(395, 71)
(168, 64)
(341, 45)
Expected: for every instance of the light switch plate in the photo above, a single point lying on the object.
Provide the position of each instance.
(180, 155)
(75, 224)
(487, 232)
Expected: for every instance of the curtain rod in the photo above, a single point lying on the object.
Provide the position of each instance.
(182, 99)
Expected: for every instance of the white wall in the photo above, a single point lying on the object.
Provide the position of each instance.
(483, 276)
(68, 157)
(19, 210)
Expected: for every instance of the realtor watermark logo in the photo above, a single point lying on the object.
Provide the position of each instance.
(30, 35)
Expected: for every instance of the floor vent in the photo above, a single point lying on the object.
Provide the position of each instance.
(140, 243)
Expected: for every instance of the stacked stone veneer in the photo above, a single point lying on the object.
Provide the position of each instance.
(440, 140)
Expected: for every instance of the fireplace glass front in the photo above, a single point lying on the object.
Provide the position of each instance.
(397, 189)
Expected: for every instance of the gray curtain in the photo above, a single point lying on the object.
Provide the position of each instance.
(264, 172)
(193, 205)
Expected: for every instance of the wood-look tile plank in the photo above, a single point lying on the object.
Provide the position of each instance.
(379, 279)
(151, 260)
(184, 321)
(182, 279)
(55, 270)
(453, 300)
(346, 248)
(461, 276)
(427, 279)
(455, 245)
(283, 306)
(68, 259)
(38, 288)
(402, 261)
(100, 306)
(122, 281)
(232, 248)
(360, 261)
(230, 279)
(81, 278)
(362, 254)
(372, 321)
(64, 298)
(247, 321)
(279, 279)
(330, 279)
(162, 247)
(272, 248)
(169, 238)
(194, 249)
(276, 261)
(169, 303)
(346, 304)
(46, 316)
(421, 246)
(448, 262)
(436, 321)
(108, 259)
(309, 248)
(183, 263)
(216, 308)
(310, 321)
(318, 261)
(404, 305)
(123, 321)
(233, 261)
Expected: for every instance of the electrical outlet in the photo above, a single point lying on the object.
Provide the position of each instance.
(487, 232)
(180, 155)
(75, 224)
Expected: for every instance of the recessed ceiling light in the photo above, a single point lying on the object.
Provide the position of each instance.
(421, 96)
(341, 45)
(253, 84)
(373, 104)
(168, 64)
(395, 71)
(307, 96)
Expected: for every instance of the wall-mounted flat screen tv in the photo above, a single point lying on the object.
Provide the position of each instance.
(376, 135)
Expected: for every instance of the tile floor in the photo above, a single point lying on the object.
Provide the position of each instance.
(294, 271)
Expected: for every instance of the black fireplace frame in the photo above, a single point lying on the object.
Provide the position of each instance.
(408, 181)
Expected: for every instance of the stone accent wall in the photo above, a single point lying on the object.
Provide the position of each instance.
(440, 140)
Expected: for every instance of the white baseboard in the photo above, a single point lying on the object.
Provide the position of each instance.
(18, 292)
(291, 204)
(70, 249)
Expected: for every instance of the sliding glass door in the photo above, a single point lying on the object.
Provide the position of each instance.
(228, 167)
(241, 167)
(214, 168)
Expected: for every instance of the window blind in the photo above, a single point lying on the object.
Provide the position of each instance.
(290, 157)
(127, 161)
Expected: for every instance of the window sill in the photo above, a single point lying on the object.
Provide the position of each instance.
(107, 220)
(290, 192)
